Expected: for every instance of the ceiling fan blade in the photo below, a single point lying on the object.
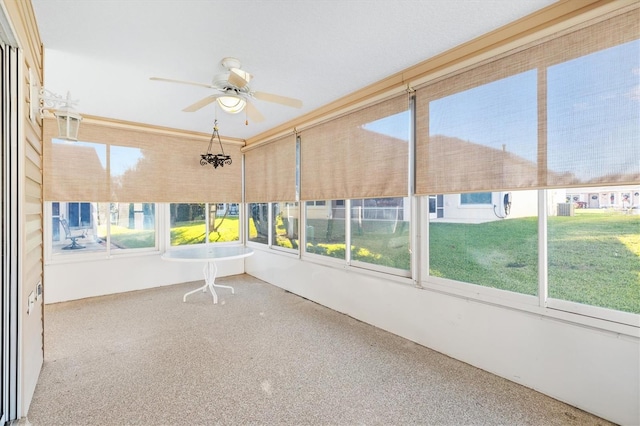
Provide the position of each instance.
(201, 103)
(239, 78)
(270, 97)
(169, 80)
(252, 113)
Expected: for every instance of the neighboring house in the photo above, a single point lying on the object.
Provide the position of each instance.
(617, 198)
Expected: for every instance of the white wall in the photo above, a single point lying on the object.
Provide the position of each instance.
(99, 277)
(523, 204)
(590, 368)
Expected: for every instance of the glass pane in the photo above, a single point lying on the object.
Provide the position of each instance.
(493, 245)
(187, 223)
(594, 246)
(286, 225)
(380, 232)
(258, 217)
(133, 225)
(224, 225)
(476, 198)
(485, 137)
(87, 232)
(594, 118)
(325, 233)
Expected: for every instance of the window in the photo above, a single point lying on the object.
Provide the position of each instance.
(594, 247)
(102, 227)
(476, 198)
(495, 247)
(223, 225)
(593, 224)
(79, 215)
(191, 223)
(285, 225)
(187, 223)
(325, 228)
(258, 219)
(88, 233)
(380, 232)
(132, 225)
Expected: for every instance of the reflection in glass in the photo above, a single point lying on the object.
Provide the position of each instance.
(285, 218)
(133, 225)
(325, 232)
(123, 159)
(594, 246)
(380, 232)
(258, 217)
(78, 227)
(493, 245)
(224, 225)
(187, 223)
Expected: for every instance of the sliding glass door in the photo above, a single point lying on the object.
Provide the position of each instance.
(8, 232)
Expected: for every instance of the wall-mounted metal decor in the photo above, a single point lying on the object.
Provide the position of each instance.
(216, 160)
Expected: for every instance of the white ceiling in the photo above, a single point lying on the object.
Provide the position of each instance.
(104, 51)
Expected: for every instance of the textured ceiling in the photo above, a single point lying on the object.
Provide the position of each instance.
(104, 51)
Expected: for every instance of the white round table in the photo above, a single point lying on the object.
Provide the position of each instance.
(210, 255)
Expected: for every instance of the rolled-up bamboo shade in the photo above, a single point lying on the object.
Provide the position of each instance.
(518, 121)
(363, 154)
(270, 171)
(127, 165)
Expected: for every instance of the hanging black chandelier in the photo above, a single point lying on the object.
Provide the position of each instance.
(216, 160)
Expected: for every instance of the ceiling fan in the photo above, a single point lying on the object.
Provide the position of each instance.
(233, 92)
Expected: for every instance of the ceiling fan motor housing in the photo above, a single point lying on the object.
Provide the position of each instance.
(229, 63)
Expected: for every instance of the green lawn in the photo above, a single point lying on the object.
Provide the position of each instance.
(593, 257)
(194, 232)
(181, 234)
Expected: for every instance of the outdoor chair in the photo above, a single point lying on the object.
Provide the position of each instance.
(74, 243)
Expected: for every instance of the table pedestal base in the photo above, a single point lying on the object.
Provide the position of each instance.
(210, 271)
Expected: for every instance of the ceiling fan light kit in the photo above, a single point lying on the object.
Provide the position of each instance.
(231, 104)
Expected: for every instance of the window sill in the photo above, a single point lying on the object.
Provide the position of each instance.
(596, 320)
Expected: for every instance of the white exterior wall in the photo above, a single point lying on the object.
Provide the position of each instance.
(585, 366)
(523, 204)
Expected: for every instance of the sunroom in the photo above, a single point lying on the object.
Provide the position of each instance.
(487, 206)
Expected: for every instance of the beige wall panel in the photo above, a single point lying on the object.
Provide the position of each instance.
(33, 172)
(32, 133)
(32, 206)
(34, 156)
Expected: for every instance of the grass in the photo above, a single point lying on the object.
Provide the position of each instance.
(195, 232)
(593, 257)
(126, 238)
(181, 234)
(500, 254)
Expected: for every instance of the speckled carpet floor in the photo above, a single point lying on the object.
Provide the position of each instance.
(263, 357)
